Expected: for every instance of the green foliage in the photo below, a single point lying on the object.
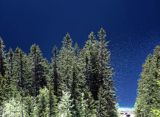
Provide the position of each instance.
(156, 112)
(43, 103)
(65, 106)
(148, 100)
(12, 108)
(29, 105)
(77, 82)
(65, 63)
(2, 58)
(4, 90)
(38, 67)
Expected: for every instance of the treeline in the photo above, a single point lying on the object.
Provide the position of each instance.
(76, 83)
(148, 100)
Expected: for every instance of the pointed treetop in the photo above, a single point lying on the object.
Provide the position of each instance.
(54, 51)
(91, 36)
(67, 41)
(35, 49)
(157, 51)
(76, 48)
(18, 50)
(1, 43)
(102, 34)
(10, 52)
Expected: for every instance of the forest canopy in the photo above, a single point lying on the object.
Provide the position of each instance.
(76, 83)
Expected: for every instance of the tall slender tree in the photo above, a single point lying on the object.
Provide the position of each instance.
(2, 58)
(10, 61)
(4, 84)
(38, 69)
(65, 63)
(21, 74)
(43, 103)
(91, 52)
(55, 77)
(107, 99)
(65, 106)
(148, 91)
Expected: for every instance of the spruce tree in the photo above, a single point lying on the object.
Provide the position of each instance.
(4, 90)
(148, 90)
(29, 104)
(65, 106)
(10, 66)
(52, 103)
(21, 73)
(143, 98)
(83, 107)
(2, 58)
(38, 66)
(12, 108)
(43, 103)
(4, 82)
(65, 63)
(91, 52)
(55, 77)
(75, 93)
(106, 95)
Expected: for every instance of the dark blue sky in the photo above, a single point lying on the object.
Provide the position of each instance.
(133, 28)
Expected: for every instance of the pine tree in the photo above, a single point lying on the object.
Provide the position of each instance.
(4, 89)
(38, 69)
(2, 58)
(52, 103)
(43, 103)
(143, 99)
(4, 83)
(65, 106)
(91, 52)
(9, 68)
(55, 77)
(13, 107)
(21, 73)
(65, 63)
(82, 107)
(106, 96)
(75, 93)
(148, 90)
(29, 106)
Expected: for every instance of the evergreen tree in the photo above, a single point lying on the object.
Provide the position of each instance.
(148, 90)
(65, 63)
(52, 103)
(91, 52)
(65, 106)
(29, 106)
(4, 89)
(82, 107)
(9, 68)
(143, 99)
(2, 58)
(55, 78)
(4, 82)
(106, 96)
(12, 108)
(21, 73)
(38, 69)
(75, 93)
(43, 103)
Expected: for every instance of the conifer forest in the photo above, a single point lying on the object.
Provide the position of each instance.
(75, 82)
